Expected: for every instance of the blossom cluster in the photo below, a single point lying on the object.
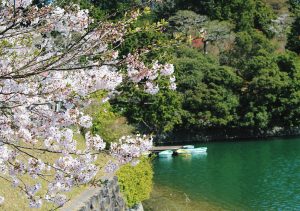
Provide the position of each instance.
(128, 148)
(138, 71)
(50, 62)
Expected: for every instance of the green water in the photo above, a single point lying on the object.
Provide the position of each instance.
(253, 175)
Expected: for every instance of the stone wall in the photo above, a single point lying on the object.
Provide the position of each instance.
(104, 198)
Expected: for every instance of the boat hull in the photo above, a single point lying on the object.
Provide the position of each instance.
(188, 147)
(183, 151)
(165, 154)
(198, 150)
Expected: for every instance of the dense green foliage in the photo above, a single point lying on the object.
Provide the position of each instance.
(248, 87)
(106, 123)
(294, 5)
(236, 79)
(294, 36)
(246, 14)
(136, 181)
(293, 43)
(187, 23)
(268, 81)
(153, 113)
(209, 90)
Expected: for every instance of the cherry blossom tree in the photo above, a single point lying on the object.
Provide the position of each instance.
(51, 60)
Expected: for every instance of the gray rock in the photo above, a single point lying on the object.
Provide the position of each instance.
(104, 198)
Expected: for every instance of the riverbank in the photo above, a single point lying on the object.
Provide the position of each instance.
(183, 138)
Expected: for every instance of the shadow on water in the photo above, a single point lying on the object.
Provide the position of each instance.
(249, 175)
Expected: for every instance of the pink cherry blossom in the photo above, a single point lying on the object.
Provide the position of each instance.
(167, 70)
(51, 62)
(94, 142)
(150, 88)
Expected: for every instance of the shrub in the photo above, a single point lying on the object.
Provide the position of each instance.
(106, 123)
(136, 181)
(109, 125)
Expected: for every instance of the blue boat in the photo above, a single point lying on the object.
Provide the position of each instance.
(183, 151)
(188, 147)
(165, 154)
(199, 150)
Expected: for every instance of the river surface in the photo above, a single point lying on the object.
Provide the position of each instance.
(252, 175)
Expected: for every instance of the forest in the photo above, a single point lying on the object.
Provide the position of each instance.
(237, 69)
(236, 62)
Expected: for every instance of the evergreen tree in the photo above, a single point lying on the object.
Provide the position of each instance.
(294, 36)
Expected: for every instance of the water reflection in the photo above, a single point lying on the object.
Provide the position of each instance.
(200, 156)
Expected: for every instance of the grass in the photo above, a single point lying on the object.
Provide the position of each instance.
(16, 200)
(110, 127)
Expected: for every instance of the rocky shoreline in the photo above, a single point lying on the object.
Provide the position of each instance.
(217, 135)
